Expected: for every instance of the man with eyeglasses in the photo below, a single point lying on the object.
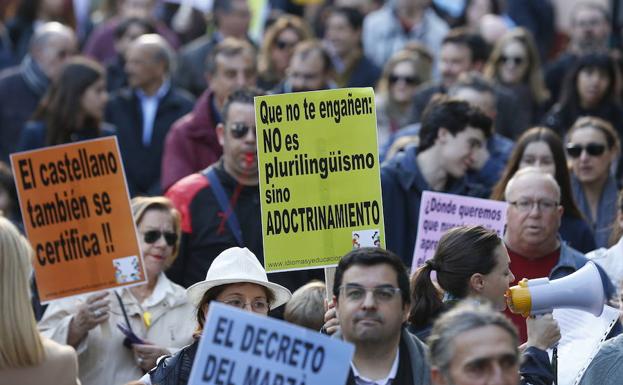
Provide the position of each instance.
(534, 246)
(220, 205)
(191, 144)
(372, 300)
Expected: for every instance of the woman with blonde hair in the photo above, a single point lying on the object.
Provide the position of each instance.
(120, 335)
(401, 76)
(25, 356)
(277, 48)
(515, 64)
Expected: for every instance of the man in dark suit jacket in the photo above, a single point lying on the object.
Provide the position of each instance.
(144, 112)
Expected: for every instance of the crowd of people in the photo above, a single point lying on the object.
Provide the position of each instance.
(482, 98)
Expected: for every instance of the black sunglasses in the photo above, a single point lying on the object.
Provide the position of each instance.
(411, 80)
(239, 130)
(517, 60)
(152, 236)
(280, 44)
(592, 149)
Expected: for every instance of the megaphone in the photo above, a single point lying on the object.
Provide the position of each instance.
(581, 290)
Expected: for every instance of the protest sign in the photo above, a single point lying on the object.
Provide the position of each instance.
(319, 176)
(76, 212)
(439, 212)
(239, 347)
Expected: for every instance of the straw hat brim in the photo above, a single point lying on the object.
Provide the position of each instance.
(195, 292)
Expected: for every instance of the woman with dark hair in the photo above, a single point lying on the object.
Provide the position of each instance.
(591, 88)
(515, 64)
(472, 262)
(593, 147)
(541, 147)
(277, 48)
(235, 278)
(72, 109)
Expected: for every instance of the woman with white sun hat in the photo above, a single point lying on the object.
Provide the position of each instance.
(235, 278)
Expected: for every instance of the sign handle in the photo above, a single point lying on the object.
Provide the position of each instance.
(329, 278)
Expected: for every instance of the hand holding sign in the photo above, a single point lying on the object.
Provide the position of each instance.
(90, 314)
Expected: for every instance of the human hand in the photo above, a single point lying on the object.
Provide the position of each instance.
(543, 331)
(147, 354)
(94, 311)
(331, 322)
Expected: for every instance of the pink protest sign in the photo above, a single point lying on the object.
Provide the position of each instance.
(440, 212)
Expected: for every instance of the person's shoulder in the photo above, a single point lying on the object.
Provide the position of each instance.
(607, 366)
(63, 356)
(188, 186)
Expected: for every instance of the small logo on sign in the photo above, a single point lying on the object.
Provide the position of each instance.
(127, 269)
(366, 238)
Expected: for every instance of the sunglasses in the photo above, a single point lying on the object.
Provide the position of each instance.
(152, 236)
(240, 130)
(411, 80)
(281, 45)
(517, 60)
(592, 149)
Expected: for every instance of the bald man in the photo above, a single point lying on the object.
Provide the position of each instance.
(21, 87)
(144, 112)
(533, 219)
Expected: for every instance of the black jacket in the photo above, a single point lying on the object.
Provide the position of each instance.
(142, 163)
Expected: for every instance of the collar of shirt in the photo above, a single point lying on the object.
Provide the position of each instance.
(361, 380)
(149, 107)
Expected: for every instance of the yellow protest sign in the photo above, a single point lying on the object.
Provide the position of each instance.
(77, 216)
(319, 176)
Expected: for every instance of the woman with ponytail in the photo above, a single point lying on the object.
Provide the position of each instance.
(470, 261)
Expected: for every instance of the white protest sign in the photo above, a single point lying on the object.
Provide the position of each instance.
(239, 347)
(439, 212)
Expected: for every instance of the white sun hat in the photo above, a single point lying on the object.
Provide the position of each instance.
(237, 265)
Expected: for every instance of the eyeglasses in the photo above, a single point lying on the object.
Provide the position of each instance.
(410, 80)
(592, 149)
(152, 236)
(357, 293)
(239, 130)
(526, 205)
(516, 60)
(257, 305)
(282, 44)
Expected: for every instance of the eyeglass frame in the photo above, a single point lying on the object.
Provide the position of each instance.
(230, 302)
(240, 130)
(592, 149)
(539, 205)
(394, 291)
(170, 237)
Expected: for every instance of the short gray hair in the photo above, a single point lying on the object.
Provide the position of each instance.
(534, 171)
(466, 316)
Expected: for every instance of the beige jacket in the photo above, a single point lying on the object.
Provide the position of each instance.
(60, 367)
(102, 358)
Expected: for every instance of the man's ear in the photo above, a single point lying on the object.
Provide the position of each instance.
(477, 283)
(220, 133)
(437, 378)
